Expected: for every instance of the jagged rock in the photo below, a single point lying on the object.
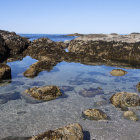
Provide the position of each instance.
(45, 93)
(39, 66)
(122, 48)
(5, 71)
(130, 115)
(14, 44)
(91, 92)
(138, 86)
(45, 47)
(118, 72)
(95, 114)
(69, 132)
(125, 99)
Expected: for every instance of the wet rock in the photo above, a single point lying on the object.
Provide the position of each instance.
(118, 72)
(125, 99)
(5, 71)
(45, 47)
(69, 132)
(13, 43)
(120, 48)
(39, 66)
(130, 115)
(45, 93)
(91, 92)
(95, 114)
(138, 86)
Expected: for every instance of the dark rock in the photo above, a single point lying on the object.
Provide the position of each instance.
(69, 132)
(13, 44)
(45, 93)
(5, 72)
(125, 99)
(75, 34)
(39, 66)
(138, 86)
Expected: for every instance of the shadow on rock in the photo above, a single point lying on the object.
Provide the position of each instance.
(86, 135)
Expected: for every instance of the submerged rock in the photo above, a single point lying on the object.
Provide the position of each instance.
(118, 72)
(125, 99)
(5, 71)
(138, 86)
(130, 115)
(69, 132)
(45, 93)
(39, 66)
(95, 114)
(91, 92)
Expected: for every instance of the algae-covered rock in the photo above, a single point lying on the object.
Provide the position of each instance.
(125, 99)
(95, 114)
(5, 71)
(69, 132)
(45, 93)
(130, 115)
(118, 72)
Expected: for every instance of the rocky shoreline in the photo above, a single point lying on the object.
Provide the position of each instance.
(93, 49)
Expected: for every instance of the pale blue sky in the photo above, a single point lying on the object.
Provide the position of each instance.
(69, 16)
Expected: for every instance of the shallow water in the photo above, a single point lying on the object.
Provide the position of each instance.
(23, 116)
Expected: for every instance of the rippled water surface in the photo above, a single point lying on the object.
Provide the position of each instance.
(24, 116)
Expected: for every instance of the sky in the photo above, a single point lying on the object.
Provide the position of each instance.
(70, 16)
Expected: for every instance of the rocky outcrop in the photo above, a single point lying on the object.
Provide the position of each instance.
(138, 86)
(45, 47)
(69, 132)
(11, 44)
(44, 93)
(125, 99)
(75, 34)
(95, 114)
(130, 115)
(39, 66)
(5, 72)
(118, 72)
(122, 48)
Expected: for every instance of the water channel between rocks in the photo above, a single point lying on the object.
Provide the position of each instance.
(24, 116)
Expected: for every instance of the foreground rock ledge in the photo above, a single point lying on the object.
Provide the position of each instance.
(95, 114)
(125, 99)
(45, 93)
(69, 132)
(118, 72)
(5, 71)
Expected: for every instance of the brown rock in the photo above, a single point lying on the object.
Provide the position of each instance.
(69, 132)
(95, 114)
(45, 93)
(118, 72)
(5, 71)
(130, 115)
(39, 66)
(138, 86)
(125, 99)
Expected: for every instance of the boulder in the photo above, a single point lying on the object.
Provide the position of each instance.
(130, 115)
(69, 132)
(44, 93)
(5, 72)
(39, 66)
(125, 99)
(118, 72)
(15, 43)
(45, 47)
(95, 114)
